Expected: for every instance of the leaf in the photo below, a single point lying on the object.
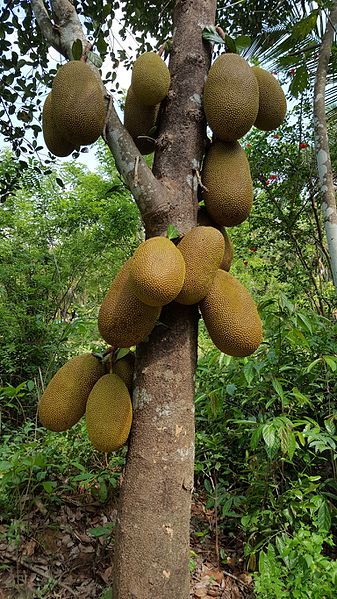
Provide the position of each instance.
(172, 232)
(211, 35)
(305, 26)
(101, 531)
(324, 517)
(268, 434)
(278, 388)
(124, 351)
(331, 362)
(95, 59)
(49, 486)
(243, 41)
(77, 49)
(300, 81)
(312, 365)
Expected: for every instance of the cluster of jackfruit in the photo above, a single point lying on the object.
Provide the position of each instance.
(74, 111)
(192, 272)
(150, 84)
(82, 386)
(236, 97)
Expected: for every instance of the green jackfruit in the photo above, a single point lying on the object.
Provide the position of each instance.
(78, 103)
(231, 316)
(109, 413)
(157, 271)
(229, 188)
(63, 402)
(123, 319)
(54, 141)
(140, 121)
(231, 97)
(124, 368)
(272, 101)
(150, 79)
(202, 249)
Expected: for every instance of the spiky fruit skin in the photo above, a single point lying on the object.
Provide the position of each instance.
(202, 249)
(78, 103)
(231, 316)
(139, 121)
(150, 79)
(64, 400)
(157, 271)
(54, 141)
(204, 220)
(231, 97)
(226, 176)
(109, 413)
(123, 319)
(272, 101)
(124, 368)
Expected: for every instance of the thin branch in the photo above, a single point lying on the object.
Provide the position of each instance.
(48, 29)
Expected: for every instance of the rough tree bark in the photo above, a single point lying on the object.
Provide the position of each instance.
(152, 537)
(327, 187)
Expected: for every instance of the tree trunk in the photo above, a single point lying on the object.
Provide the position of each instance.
(152, 536)
(327, 187)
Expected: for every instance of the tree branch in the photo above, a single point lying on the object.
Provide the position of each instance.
(151, 196)
(48, 30)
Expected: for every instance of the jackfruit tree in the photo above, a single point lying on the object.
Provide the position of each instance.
(151, 552)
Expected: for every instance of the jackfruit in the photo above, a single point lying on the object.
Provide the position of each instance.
(202, 249)
(150, 79)
(78, 103)
(63, 402)
(231, 316)
(205, 220)
(231, 97)
(109, 413)
(123, 319)
(272, 101)
(54, 141)
(226, 176)
(124, 368)
(140, 121)
(157, 271)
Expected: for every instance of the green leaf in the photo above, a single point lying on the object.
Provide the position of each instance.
(49, 486)
(268, 434)
(300, 81)
(331, 362)
(172, 232)
(278, 388)
(95, 59)
(77, 49)
(312, 365)
(101, 531)
(124, 351)
(211, 35)
(243, 41)
(305, 26)
(324, 517)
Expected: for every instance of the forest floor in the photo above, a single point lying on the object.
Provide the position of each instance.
(63, 551)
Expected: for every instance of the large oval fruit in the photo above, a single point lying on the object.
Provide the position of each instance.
(150, 79)
(123, 319)
(63, 402)
(54, 141)
(202, 249)
(140, 121)
(78, 103)
(272, 101)
(204, 220)
(231, 97)
(157, 271)
(231, 316)
(229, 189)
(109, 413)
